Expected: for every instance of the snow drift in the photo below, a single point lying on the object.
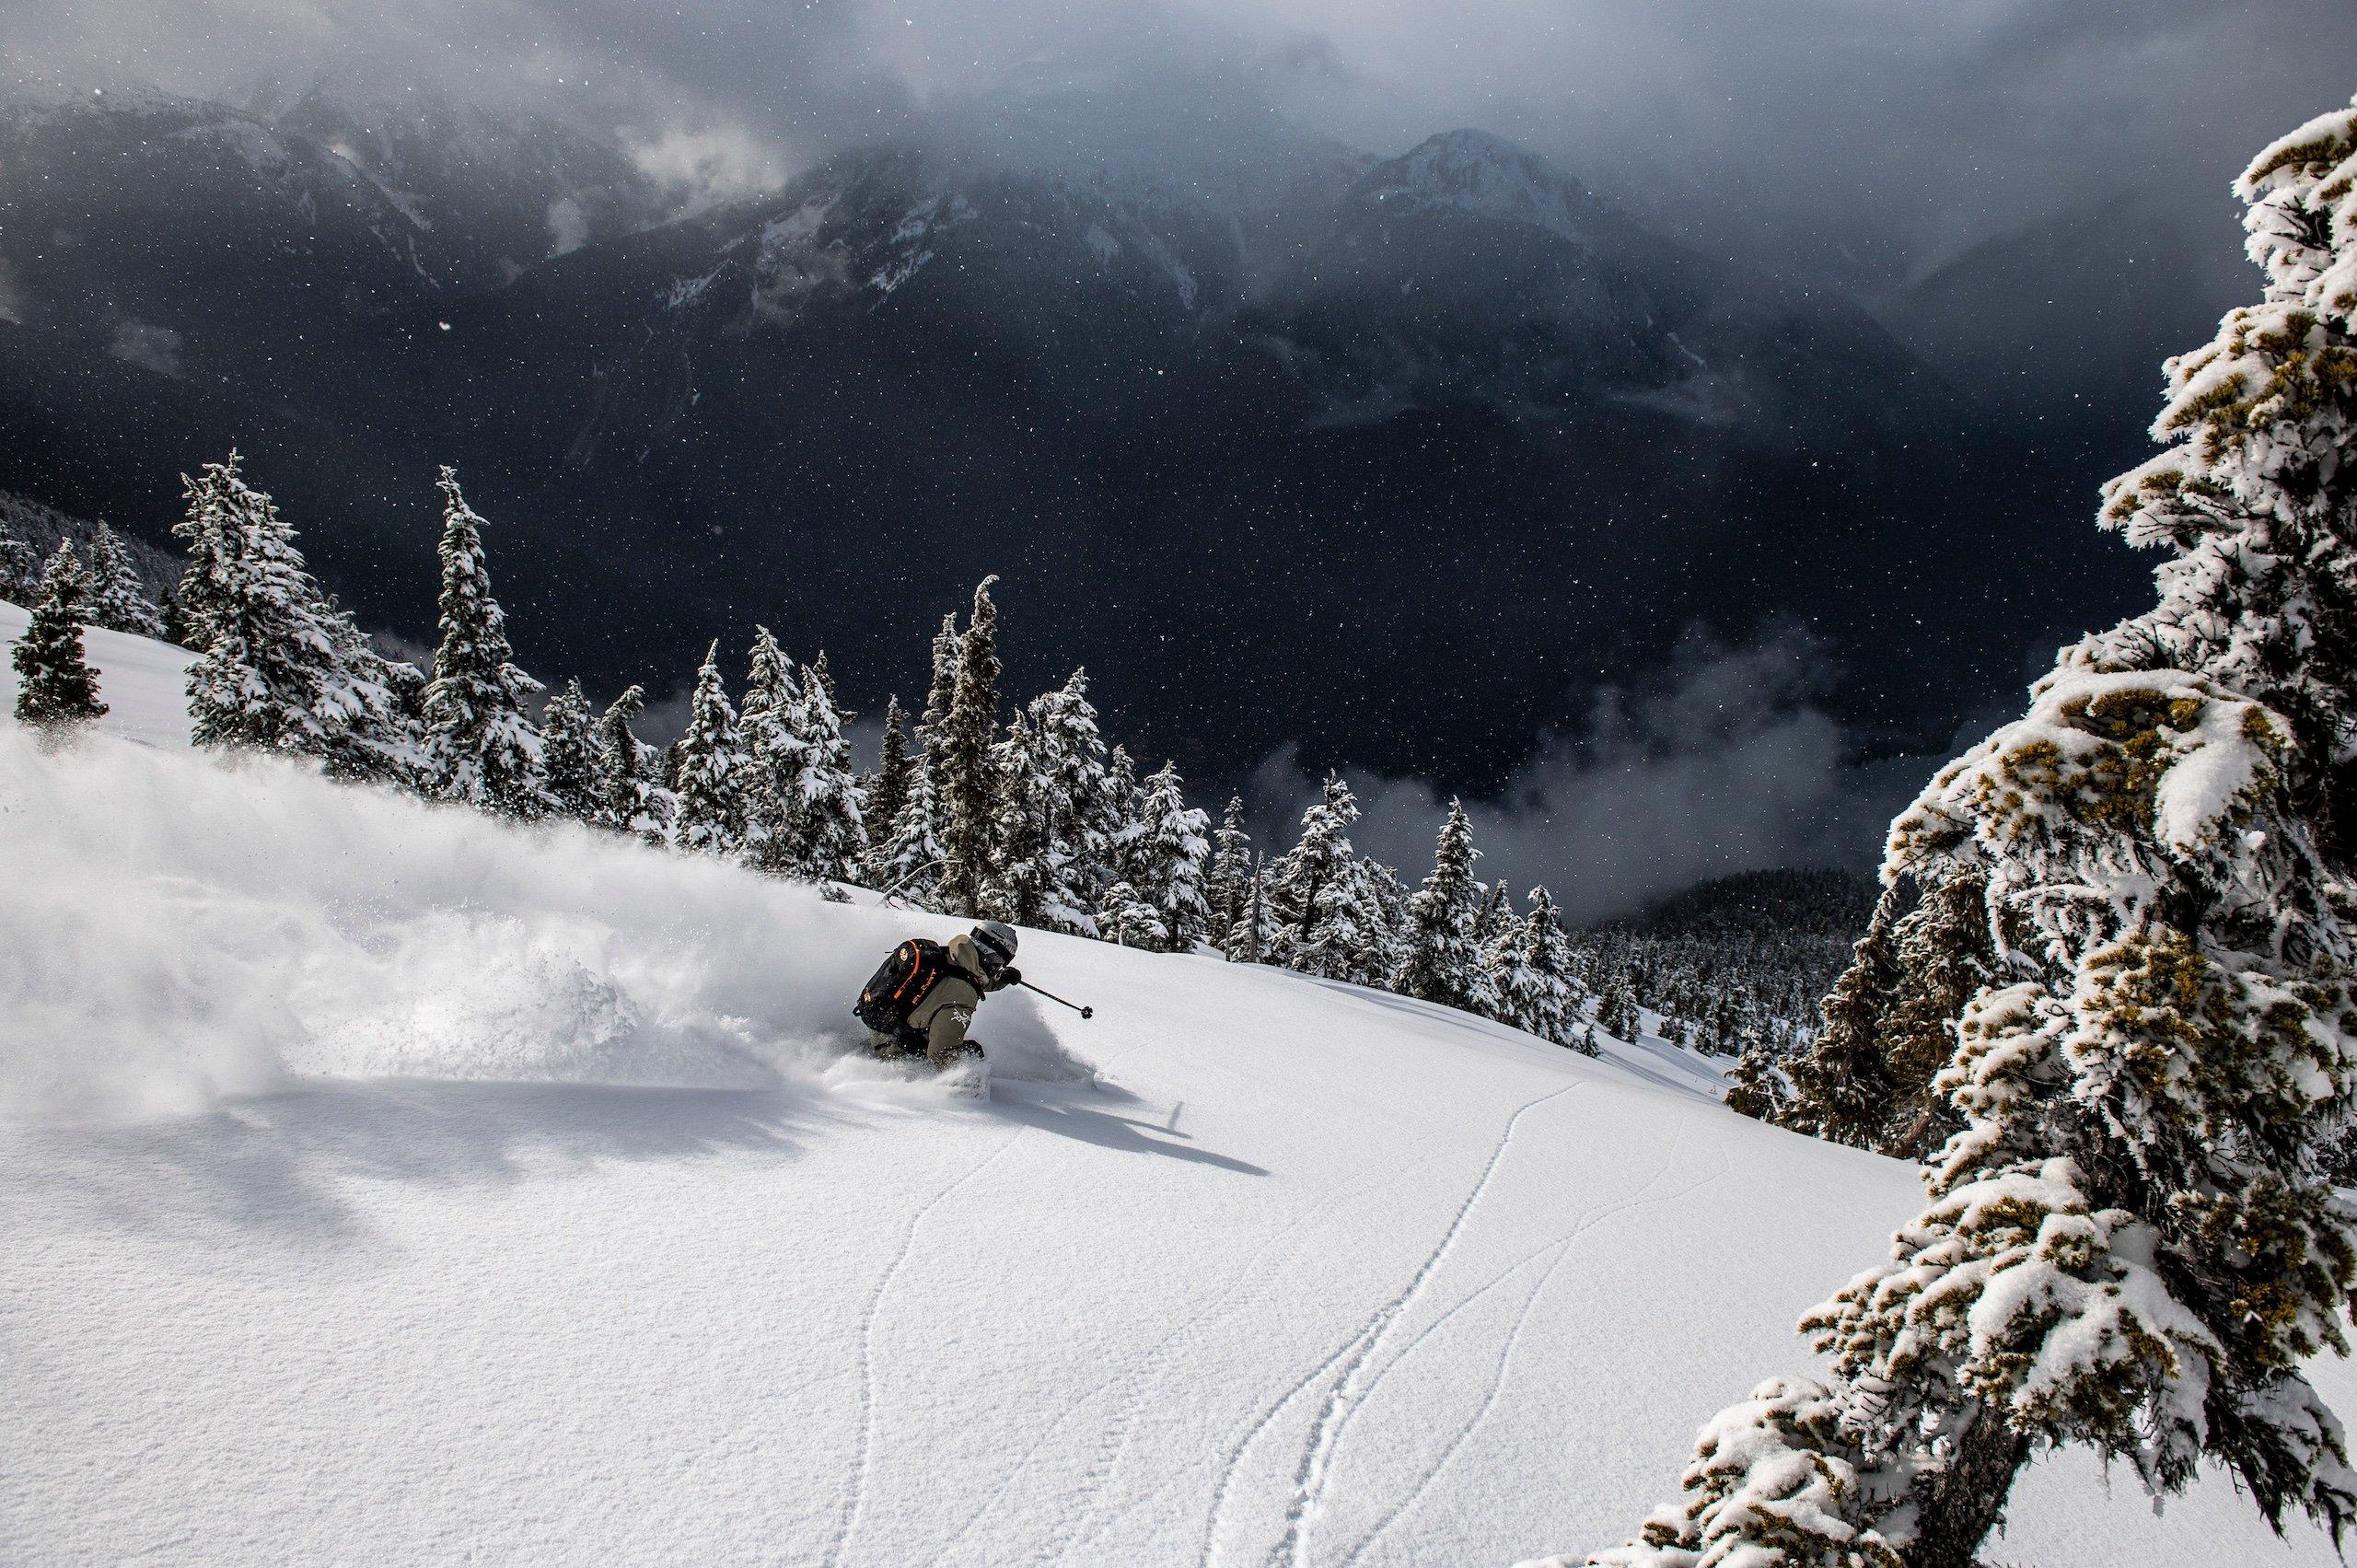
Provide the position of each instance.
(185, 928)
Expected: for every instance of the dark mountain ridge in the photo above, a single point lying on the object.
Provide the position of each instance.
(1398, 484)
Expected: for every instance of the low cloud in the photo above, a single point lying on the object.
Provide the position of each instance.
(394, 645)
(865, 735)
(703, 169)
(1826, 129)
(1727, 763)
(147, 345)
(666, 717)
(568, 226)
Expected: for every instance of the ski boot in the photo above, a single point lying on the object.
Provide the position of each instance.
(967, 1073)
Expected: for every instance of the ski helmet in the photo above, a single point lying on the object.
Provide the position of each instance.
(996, 940)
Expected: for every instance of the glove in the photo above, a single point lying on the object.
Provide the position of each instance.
(1009, 976)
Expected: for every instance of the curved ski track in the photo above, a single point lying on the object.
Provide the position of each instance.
(855, 1485)
(1143, 1372)
(1352, 1357)
(1135, 1374)
(1509, 1344)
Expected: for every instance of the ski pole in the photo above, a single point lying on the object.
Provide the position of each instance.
(1084, 1012)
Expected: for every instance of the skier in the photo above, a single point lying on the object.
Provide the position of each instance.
(921, 999)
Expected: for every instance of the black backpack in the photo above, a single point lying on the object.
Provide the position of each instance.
(900, 985)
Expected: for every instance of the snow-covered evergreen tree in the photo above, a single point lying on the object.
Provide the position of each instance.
(940, 693)
(1616, 1008)
(1015, 890)
(1501, 958)
(1231, 870)
(569, 765)
(1297, 887)
(1502, 946)
(1389, 897)
(1442, 961)
(1758, 1086)
(1073, 789)
(1332, 905)
(18, 581)
(1841, 1082)
(1129, 918)
(1252, 935)
(816, 676)
(405, 686)
(482, 749)
(2144, 1093)
(2253, 500)
(773, 754)
(1171, 855)
(57, 687)
(119, 599)
(629, 773)
(1890, 1023)
(1535, 987)
(967, 779)
(1361, 916)
(1497, 919)
(908, 866)
(831, 840)
(278, 666)
(888, 787)
(380, 705)
(708, 770)
(2133, 1242)
(1120, 817)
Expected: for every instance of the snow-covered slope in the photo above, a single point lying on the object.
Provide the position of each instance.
(141, 679)
(383, 1185)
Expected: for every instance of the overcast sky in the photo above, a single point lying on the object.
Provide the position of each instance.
(1826, 123)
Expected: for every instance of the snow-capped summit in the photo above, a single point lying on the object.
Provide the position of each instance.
(1487, 176)
(1165, 138)
(871, 221)
(496, 191)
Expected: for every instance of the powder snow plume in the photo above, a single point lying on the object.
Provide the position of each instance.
(184, 929)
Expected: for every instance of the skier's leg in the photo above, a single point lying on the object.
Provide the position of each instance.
(946, 1042)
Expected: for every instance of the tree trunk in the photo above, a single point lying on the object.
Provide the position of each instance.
(1958, 1506)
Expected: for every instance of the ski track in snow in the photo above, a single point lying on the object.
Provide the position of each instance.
(1134, 1377)
(1591, 1217)
(855, 1481)
(1317, 1458)
(1351, 1356)
(1143, 1372)
(1212, 1519)
(1513, 1341)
